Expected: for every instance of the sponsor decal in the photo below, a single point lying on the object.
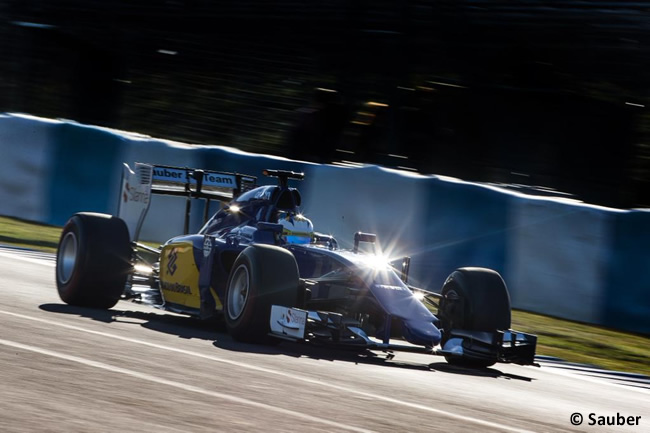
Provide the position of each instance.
(178, 175)
(207, 247)
(176, 288)
(167, 174)
(132, 193)
(215, 180)
(288, 321)
(171, 263)
(292, 318)
(264, 194)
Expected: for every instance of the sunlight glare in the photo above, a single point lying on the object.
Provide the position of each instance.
(142, 269)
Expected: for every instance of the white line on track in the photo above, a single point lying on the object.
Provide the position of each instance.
(13, 255)
(593, 378)
(183, 386)
(348, 390)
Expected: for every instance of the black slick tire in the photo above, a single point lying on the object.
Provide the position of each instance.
(474, 299)
(262, 275)
(93, 260)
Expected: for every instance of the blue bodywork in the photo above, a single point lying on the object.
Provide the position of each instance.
(350, 284)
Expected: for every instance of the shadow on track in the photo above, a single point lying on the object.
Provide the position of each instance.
(479, 372)
(168, 323)
(321, 353)
(215, 331)
(367, 357)
(181, 326)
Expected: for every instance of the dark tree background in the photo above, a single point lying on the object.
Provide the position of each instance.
(537, 93)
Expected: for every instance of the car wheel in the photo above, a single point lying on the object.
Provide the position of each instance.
(93, 260)
(474, 299)
(262, 275)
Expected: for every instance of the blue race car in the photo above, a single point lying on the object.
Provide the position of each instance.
(259, 264)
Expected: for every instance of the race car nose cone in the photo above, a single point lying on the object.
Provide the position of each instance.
(421, 332)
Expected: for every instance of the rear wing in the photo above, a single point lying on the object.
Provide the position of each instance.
(138, 186)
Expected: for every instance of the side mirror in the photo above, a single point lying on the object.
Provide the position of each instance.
(363, 237)
(406, 266)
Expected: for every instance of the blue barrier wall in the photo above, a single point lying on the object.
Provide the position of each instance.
(627, 277)
(83, 171)
(566, 259)
(25, 166)
(465, 225)
(556, 253)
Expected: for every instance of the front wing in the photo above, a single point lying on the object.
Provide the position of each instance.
(333, 329)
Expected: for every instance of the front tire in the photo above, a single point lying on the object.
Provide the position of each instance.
(474, 299)
(93, 260)
(263, 275)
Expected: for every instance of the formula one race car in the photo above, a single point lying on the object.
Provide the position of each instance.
(258, 263)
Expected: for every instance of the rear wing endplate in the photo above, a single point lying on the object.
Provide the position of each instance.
(138, 186)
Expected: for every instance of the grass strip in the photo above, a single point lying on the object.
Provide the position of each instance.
(587, 344)
(21, 233)
(565, 339)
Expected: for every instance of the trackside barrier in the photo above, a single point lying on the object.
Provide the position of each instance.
(570, 260)
(84, 165)
(556, 257)
(627, 277)
(25, 167)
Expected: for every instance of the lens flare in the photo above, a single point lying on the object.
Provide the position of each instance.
(418, 295)
(143, 269)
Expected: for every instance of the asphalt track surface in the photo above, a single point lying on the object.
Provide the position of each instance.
(135, 368)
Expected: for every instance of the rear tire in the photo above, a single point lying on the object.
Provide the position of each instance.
(93, 260)
(263, 275)
(474, 299)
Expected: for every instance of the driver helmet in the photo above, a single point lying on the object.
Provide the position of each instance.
(296, 228)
